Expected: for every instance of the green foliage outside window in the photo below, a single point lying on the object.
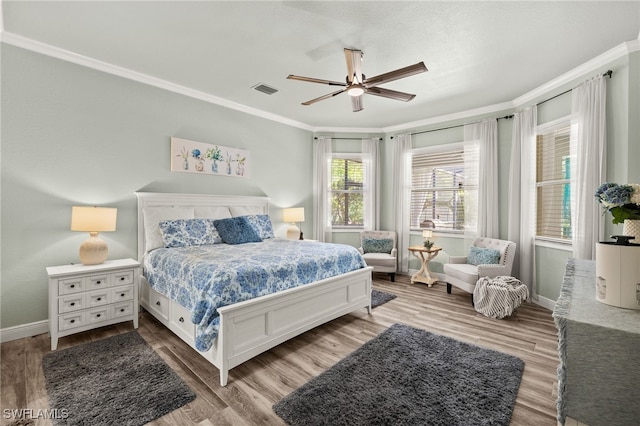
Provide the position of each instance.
(347, 198)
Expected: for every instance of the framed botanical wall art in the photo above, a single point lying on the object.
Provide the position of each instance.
(207, 159)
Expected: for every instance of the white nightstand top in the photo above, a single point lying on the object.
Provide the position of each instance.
(54, 271)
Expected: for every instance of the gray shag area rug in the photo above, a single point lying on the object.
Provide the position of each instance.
(119, 380)
(407, 376)
(380, 297)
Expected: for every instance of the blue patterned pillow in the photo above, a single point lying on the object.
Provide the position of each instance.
(188, 232)
(262, 224)
(373, 245)
(483, 256)
(237, 230)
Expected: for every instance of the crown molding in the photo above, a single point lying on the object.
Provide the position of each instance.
(592, 65)
(68, 56)
(489, 109)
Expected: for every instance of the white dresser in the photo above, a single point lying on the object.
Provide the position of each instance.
(83, 297)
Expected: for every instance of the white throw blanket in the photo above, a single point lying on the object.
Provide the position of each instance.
(499, 297)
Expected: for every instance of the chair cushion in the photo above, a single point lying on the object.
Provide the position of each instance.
(462, 271)
(379, 259)
(373, 245)
(483, 256)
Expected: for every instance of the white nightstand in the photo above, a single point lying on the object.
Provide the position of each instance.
(83, 297)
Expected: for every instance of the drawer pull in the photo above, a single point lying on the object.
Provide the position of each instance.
(122, 294)
(158, 303)
(99, 299)
(121, 309)
(72, 304)
(98, 282)
(121, 278)
(181, 319)
(72, 286)
(72, 321)
(98, 316)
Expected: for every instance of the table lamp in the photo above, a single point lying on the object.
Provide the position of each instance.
(426, 234)
(293, 215)
(93, 220)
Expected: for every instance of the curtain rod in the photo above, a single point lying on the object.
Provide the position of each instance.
(608, 73)
(350, 139)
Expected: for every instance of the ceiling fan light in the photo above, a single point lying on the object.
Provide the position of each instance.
(355, 90)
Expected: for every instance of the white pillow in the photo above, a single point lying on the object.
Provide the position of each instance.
(154, 215)
(246, 210)
(212, 213)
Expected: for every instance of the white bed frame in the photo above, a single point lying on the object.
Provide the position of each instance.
(254, 326)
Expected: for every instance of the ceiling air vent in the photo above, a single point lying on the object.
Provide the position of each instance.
(265, 89)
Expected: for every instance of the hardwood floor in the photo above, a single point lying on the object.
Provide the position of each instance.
(257, 384)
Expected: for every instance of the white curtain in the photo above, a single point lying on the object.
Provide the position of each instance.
(402, 197)
(484, 136)
(589, 137)
(321, 188)
(522, 197)
(371, 158)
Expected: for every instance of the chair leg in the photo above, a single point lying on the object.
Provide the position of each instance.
(392, 277)
(448, 288)
(472, 301)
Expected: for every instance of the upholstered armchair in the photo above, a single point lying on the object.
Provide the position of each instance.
(378, 248)
(488, 257)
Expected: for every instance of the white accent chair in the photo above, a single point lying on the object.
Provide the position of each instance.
(381, 262)
(465, 276)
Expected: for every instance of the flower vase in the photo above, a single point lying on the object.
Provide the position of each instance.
(632, 228)
(214, 166)
(185, 164)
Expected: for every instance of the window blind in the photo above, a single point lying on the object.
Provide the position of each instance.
(553, 187)
(438, 190)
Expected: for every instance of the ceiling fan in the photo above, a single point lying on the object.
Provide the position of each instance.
(358, 84)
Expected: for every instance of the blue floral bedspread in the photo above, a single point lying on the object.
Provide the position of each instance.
(205, 278)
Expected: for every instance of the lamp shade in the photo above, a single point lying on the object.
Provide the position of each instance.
(294, 214)
(427, 233)
(93, 219)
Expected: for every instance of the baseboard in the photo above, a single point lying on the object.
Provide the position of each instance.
(545, 303)
(23, 330)
(541, 301)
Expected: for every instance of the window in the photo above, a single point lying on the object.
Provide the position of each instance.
(439, 186)
(553, 187)
(347, 191)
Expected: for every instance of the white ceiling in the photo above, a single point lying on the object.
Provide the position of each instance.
(477, 53)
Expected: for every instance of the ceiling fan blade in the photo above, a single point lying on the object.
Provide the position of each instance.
(321, 98)
(354, 65)
(391, 94)
(315, 80)
(396, 75)
(356, 103)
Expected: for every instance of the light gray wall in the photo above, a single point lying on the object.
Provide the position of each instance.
(76, 136)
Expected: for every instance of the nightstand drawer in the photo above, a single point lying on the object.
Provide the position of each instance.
(71, 303)
(98, 314)
(122, 278)
(68, 286)
(121, 293)
(121, 309)
(95, 282)
(69, 321)
(97, 298)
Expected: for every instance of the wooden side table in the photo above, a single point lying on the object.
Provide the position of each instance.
(424, 255)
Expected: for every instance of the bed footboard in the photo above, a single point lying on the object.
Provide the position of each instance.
(254, 326)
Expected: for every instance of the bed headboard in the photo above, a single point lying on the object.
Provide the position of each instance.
(205, 205)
